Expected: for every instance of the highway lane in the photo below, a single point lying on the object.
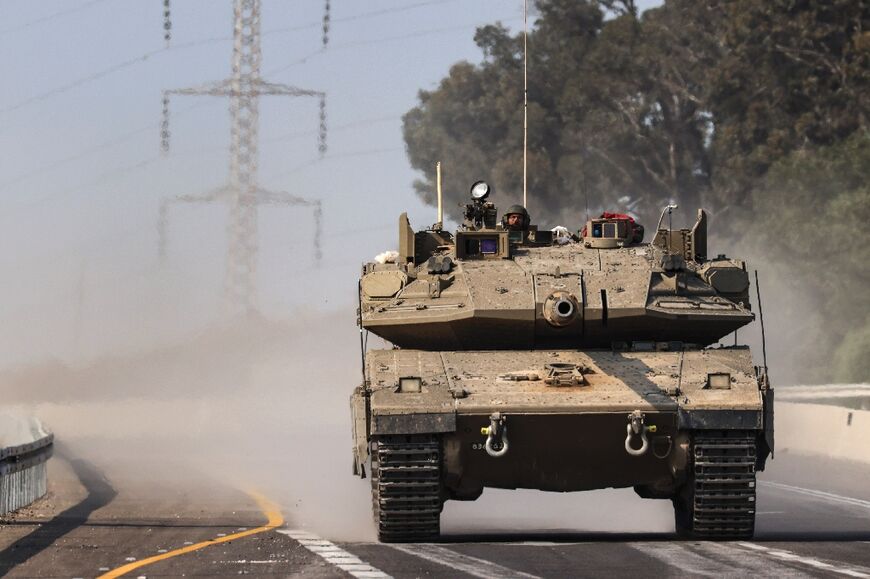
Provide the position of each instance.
(813, 521)
(91, 524)
(163, 448)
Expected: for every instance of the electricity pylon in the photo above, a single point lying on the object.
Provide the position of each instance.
(242, 192)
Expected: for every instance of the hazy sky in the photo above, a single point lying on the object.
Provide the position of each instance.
(81, 173)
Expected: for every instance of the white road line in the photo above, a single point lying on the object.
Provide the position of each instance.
(784, 555)
(830, 497)
(247, 562)
(459, 562)
(335, 555)
(746, 564)
(679, 556)
(537, 544)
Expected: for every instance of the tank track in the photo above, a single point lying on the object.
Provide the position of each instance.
(406, 488)
(718, 502)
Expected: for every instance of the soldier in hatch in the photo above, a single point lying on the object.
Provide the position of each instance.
(516, 218)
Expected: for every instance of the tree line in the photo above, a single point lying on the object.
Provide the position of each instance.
(754, 109)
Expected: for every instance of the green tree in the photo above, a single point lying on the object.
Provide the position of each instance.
(615, 113)
(793, 74)
(813, 211)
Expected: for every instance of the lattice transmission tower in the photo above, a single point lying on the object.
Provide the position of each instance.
(242, 192)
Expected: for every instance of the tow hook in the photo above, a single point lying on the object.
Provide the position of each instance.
(636, 427)
(496, 435)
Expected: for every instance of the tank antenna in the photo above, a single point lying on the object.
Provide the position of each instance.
(362, 344)
(585, 194)
(761, 319)
(525, 101)
(440, 222)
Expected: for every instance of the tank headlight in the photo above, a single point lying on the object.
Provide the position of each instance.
(410, 384)
(719, 381)
(480, 191)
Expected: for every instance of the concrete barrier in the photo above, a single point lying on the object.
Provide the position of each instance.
(25, 446)
(854, 396)
(823, 429)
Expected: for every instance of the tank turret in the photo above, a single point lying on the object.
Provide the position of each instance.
(522, 290)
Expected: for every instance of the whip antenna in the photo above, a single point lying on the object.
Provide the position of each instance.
(761, 318)
(525, 100)
(586, 197)
(440, 222)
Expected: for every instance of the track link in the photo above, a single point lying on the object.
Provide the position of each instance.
(718, 502)
(406, 488)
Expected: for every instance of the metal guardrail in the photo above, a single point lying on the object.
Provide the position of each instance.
(22, 464)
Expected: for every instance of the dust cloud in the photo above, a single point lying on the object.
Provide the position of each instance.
(259, 405)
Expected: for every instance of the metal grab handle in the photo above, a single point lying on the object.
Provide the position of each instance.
(644, 441)
(504, 443)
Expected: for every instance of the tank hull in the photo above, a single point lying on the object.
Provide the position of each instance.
(561, 437)
(671, 424)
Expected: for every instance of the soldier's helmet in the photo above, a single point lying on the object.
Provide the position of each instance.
(520, 210)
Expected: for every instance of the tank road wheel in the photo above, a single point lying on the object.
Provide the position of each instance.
(718, 500)
(406, 488)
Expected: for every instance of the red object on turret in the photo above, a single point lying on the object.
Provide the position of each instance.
(636, 228)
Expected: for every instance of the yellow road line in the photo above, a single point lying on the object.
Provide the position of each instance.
(269, 509)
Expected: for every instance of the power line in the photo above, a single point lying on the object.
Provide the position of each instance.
(361, 16)
(382, 40)
(105, 241)
(315, 161)
(332, 129)
(410, 35)
(192, 44)
(127, 136)
(95, 149)
(273, 71)
(108, 71)
(101, 179)
(123, 138)
(110, 175)
(81, 81)
(52, 16)
(72, 158)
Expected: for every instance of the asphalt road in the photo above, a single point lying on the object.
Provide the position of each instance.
(813, 520)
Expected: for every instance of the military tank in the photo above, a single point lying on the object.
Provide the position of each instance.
(542, 359)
